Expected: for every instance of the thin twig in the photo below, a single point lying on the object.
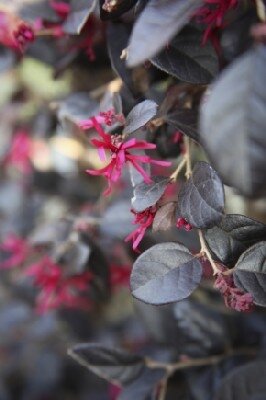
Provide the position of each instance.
(200, 362)
(187, 156)
(181, 165)
(186, 161)
(163, 389)
(205, 252)
(261, 10)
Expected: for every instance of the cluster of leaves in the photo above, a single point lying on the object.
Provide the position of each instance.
(185, 91)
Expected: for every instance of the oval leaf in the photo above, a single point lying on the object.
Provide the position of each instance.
(117, 38)
(186, 59)
(108, 363)
(233, 121)
(244, 383)
(250, 272)
(165, 273)
(201, 198)
(78, 16)
(144, 385)
(157, 24)
(234, 235)
(140, 115)
(146, 195)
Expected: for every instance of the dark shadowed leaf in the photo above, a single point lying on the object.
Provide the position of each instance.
(111, 364)
(201, 198)
(117, 39)
(157, 24)
(165, 273)
(144, 385)
(51, 233)
(186, 59)
(234, 235)
(76, 107)
(200, 328)
(250, 272)
(117, 220)
(165, 217)
(31, 11)
(147, 195)
(121, 7)
(75, 258)
(111, 100)
(140, 115)
(185, 121)
(244, 383)
(175, 111)
(78, 16)
(233, 123)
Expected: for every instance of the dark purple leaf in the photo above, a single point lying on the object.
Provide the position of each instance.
(111, 101)
(233, 121)
(111, 364)
(117, 220)
(165, 217)
(30, 11)
(201, 198)
(117, 39)
(147, 195)
(200, 327)
(144, 385)
(234, 235)
(250, 272)
(77, 106)
(186, 59)
(165, 273)
(80, 11)
(185, 121)
(119, 9)
(155, 27)
(244, 383)
(140, 115)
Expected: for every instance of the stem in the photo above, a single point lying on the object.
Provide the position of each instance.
(261, 11)
(187, 142)
(163, 390)
(205, 251)
(175, 174)
(45, 32)
(186, 161)
(200, 362)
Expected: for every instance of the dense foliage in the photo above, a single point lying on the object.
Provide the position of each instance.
(130, 165)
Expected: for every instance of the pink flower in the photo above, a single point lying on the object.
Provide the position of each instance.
(144, 219)
(182, 223)
(120, 275)
(61, 8)
(114, 391)
(20, 152)
(14, 33)
(108, 118)
(17, 249)
(55, 289)
(234, 297)
(120, 154)
(212, 15)
(23, 35)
